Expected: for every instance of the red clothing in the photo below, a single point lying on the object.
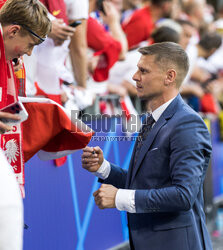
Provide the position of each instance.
(57, 8)
(2, 3)
(8, 95)
(3, 69)
(7, 79)
(104, 45)
(3, 75)
(139, 27)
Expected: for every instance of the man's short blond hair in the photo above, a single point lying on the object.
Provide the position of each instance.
(168, 55)
(28, 13)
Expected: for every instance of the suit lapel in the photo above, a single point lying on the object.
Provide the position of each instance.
(131, 165)
(167, 114)
(146, 145)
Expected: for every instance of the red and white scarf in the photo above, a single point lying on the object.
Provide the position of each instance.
(10, 142)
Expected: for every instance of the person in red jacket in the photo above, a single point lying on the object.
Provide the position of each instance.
(140, 25)
(109, 47)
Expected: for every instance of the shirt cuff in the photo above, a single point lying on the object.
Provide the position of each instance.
(104, 170)
(125, 200)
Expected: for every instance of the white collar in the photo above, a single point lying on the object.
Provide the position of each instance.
(158, 112)
(1, 29)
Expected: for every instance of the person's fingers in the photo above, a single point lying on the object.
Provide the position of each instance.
(4, 128)
(8, 115)
(66, 32)
(106, 6)
(88, 149)
(92, 168)
(62, 36)
(97, 149)
(96, 193)
(69, 29)
(89, 155)
(89, 160)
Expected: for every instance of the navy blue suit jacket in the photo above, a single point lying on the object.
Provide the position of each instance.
(168, 178)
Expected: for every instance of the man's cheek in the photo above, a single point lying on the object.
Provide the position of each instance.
(17, 49)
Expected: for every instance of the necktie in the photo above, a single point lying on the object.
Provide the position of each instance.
(146, 127)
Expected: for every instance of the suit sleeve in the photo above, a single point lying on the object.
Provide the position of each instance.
(117, 177)
(189, 156)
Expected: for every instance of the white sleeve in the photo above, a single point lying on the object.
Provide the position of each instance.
(104, 170)
(77, 9)
(11, 208)
(125, 200)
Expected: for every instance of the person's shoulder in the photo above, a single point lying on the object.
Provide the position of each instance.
(186, 114)
(142, 13)
(145, 10)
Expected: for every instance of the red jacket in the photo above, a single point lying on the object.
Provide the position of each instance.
(139, 27)
(104, 45)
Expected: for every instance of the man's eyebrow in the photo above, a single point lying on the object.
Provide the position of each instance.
(140, 67)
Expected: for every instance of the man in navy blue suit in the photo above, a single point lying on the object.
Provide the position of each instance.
(163, 189)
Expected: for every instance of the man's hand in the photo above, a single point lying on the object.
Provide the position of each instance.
(5, 115)
(105, 196)
(112, 16)
(60, 31)
(92, 158)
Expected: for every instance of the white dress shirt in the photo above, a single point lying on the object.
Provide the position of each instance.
(125, 198)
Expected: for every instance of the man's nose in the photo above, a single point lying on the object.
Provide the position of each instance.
(136, 76)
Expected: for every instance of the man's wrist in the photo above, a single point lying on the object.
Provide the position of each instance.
(104, 170)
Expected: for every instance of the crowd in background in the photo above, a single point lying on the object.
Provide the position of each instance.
(78, 66)
(88, 59)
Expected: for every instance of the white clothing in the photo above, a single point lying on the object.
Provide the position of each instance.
(46, 65)
(11, 208)
(77, 9)
(124, 70)
(214, 63)
(192, 53)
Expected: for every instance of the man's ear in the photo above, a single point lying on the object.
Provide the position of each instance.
(13, 30)
(170, 77)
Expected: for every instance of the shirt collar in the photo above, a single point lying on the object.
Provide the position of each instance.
(158, 112)
(1, 29)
